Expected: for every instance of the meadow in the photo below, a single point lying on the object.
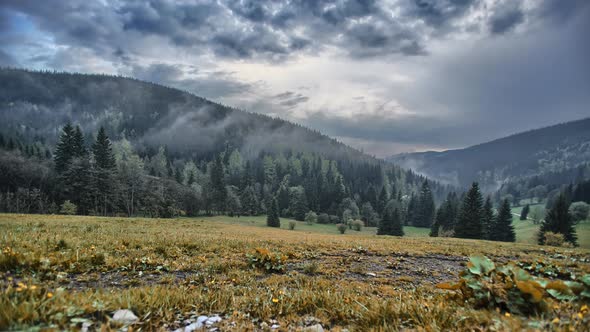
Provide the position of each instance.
(74, 272)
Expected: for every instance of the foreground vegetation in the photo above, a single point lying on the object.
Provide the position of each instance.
(66, 271)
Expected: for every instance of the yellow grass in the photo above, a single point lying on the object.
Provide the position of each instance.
(166, 270)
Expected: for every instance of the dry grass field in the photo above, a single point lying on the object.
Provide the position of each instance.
(72, 272)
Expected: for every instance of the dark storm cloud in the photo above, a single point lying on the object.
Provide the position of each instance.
(265, 30)
(438, 13)
(506, 18)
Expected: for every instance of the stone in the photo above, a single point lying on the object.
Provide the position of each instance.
(212, 320)
(314, 328)
(124, 316)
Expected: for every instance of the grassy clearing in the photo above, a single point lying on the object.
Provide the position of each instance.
(59, 271)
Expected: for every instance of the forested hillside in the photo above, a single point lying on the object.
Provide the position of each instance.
(527, 165)
(110, 145)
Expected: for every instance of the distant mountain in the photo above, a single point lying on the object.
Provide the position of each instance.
(549, 155)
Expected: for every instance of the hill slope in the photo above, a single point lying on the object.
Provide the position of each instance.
(554, 153)
(184, 143)
(39, 103)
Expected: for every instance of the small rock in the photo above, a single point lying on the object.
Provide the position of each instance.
(193, 326)
(314, 328)
(212, 320)
(371, 274)
(202, 319)
(124, 316)
(85, 326)
(275, 326)
(263, 325)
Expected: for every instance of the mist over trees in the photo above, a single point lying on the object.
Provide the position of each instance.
(117, 146)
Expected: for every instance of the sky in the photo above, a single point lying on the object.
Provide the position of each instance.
(386, 77)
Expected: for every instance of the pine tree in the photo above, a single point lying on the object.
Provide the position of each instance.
(250, 204)
(219, 193)
(411, 211)
(502, 229)
(425, 208)
(272, 218)
(391, 223)
(525, 212)
(104, 170)
(382, 201)
(469, 221)
(78, 145)
(559, 220)
(64, 151)
(397, 228)
(488, 227)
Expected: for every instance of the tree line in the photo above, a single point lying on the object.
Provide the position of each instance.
(86, 173)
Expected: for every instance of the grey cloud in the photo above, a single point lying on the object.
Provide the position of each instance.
(7, 60)
(506, 18)
(290, 99)
(212, 85)
(439, 13)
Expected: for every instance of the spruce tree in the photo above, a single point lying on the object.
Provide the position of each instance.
(64, 151)
(219, 192)
(391, 223)
(397, 228)
(469, 221)
(502, 229)
(525, 212)
(104, 170)
(488, 220)
(425, 208)
(272, 218)
(382, 200)
(559, 220)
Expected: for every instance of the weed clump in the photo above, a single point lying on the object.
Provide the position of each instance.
(512, 289)
(268, 261)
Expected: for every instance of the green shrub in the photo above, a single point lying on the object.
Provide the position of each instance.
(357, 225)
(323, 218)
(292, 225)
(68, 208)
(311, 218)
(508, 287)
(341, 228)
(266, 260)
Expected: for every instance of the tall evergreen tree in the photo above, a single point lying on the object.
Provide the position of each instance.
(411, 210)
(469, 221)
(391, 223)
(382, 201)
(104, 170)
(488, 226)
(559, 220)
(218, 190)
(525, 212)
(64, 151)
(502, 229)
(272, 218)
(425, 209)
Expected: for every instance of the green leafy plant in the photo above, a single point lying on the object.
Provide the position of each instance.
(510, 288)
(268, 261)
(341, 228)
(292, 225)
